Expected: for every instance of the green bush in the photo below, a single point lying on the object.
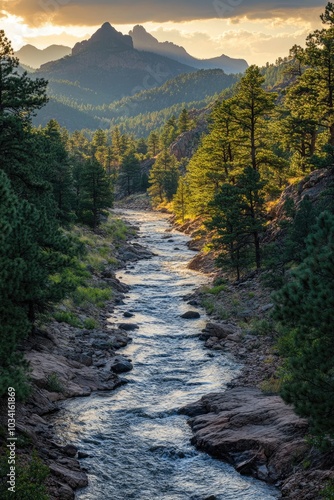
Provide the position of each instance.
(260, 327)
(328, 492)
(216, 289)
(90, 324)
(67, 317)
(53, 383)
(29, 478)
(90, 295)
(208, 304)
(271, 386)
(117, 229)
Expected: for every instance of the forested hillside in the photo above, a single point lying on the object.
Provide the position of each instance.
(259, 142)
(48, 181)
(139, 114)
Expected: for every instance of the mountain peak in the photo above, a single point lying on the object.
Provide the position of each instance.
(142, 39)
(105, 38)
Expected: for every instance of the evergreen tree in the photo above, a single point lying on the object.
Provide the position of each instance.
(129, 179)
(181, 199)
(163, 178)
(305, 308)
(213, 163)
(169, 133)
(237, 217)
(58, 170)
(35, 258)
(96, 193)
(231, 232)
(184, 121)
(20, 97)
(250, 107)
(153, 144)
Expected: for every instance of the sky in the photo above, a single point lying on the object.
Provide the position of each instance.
(256, 30)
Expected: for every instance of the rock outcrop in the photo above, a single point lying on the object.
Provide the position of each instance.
(187, 143)
(259, 434)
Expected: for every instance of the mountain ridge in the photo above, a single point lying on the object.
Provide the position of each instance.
(30, 55)
(138, 39)
(146, 42)
(110, 66)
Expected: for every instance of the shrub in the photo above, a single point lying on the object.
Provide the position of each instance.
(216, 289)
(67, 317)
(53, 383)
(30, 479)
(90, 324)
(92, 295)
(271, 386)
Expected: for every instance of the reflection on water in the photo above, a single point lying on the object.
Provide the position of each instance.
(138, 445)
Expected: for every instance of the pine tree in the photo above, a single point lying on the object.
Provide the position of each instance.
(318, 57)
(250, 107)
(20, 97)
(163, 178)
(231, 232)
(181, 199)
(237, 217)
(212, 165)
(58, 170)
(96, 193)
(35, 257)
(153, 144)
(184, 121)
(305, 308)
(129, 179)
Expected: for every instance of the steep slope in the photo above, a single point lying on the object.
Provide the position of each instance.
(185, 88)
(108, 65)
(67, 116)
(138, 114)
(34, 57)
(146, 42)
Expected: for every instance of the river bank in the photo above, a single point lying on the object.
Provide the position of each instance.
(74, 360)
(136, 443)
(249, 425)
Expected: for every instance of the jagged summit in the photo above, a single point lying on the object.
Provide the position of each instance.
(106, 37)
(109, 67)
(145, 41)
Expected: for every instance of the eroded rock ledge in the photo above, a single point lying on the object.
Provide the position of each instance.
(258, 434)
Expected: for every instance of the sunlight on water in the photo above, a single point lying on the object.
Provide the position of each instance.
(139, 446)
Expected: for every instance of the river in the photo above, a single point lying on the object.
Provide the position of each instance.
(139, 445)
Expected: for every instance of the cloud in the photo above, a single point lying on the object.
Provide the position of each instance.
(260, 48)
(93, 12)
(255, 47)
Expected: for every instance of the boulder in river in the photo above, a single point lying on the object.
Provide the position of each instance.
(129, 327)
(127, 314)
(121, 365)
(191, 315)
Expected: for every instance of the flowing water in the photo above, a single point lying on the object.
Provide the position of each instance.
(139, 445)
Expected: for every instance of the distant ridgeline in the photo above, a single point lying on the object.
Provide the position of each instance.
(111, 78)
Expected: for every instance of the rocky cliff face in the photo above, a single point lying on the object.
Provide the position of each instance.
(187, 143)
(318, 186)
